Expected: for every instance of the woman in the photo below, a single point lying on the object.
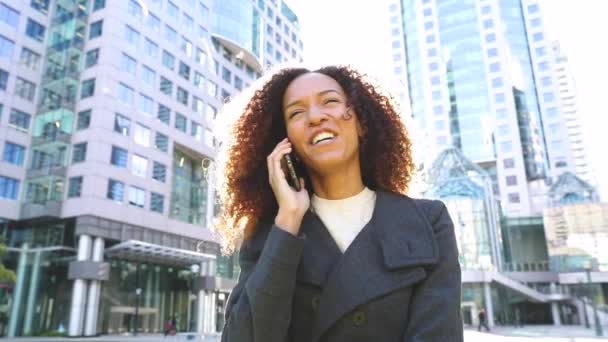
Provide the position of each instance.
(348, 257)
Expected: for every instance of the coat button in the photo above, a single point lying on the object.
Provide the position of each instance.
(359, 318)
(315, 302)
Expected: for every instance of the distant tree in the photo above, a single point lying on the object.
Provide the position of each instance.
(6, 275)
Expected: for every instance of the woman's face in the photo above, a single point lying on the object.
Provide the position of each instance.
(323, 134)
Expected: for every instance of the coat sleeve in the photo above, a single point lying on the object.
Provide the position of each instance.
(260, 305)
(434, 312)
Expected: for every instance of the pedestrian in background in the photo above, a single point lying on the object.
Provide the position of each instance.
(348, 256)
(482, 320)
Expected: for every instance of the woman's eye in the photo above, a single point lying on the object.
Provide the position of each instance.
(295, 113)
(331, 101)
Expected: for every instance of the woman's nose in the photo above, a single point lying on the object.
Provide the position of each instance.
(316, 115)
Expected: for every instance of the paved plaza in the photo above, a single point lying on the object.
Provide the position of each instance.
(498, 334)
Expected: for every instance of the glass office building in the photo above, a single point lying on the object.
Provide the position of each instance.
(107, 109)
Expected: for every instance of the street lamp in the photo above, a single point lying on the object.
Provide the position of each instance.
(598, 325)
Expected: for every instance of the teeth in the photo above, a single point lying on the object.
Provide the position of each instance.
(322, 136)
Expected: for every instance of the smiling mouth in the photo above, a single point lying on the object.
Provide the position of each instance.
(321, 137)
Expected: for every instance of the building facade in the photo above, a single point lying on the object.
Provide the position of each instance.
(106, 129)
(483, 89)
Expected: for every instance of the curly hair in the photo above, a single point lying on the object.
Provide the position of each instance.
(245, 194)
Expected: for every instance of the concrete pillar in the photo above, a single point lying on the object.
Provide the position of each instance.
(205, 310)
(15, 316)
(489, 305)
(79, 290)
(90, 323)
(32, 294)
(555, 314)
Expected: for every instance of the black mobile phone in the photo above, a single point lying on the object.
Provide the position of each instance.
(290, 172)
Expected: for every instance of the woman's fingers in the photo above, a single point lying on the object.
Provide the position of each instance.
(274, 160)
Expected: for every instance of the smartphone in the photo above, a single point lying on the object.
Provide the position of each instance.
(290, 172)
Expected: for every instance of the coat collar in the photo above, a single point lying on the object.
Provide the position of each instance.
(398, 236)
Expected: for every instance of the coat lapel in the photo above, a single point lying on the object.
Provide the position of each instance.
(398, 237)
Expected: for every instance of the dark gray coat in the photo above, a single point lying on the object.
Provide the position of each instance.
(398, 281)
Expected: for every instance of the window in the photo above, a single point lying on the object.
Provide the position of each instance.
(186, 47)
(116, 190)
(204, 10)
(211, 111)
(181, 122)
(497, 82)
(128, 64)
(122, 124)
(278, 56)
(3, 79)
(211, 88)
(35, 30)
(146, 104)
(494, 67)
(538, 36)
(197, 131)
(79, 152)
(508, 163)
(19, 119)
(9, 187)
(429, 39)
(6, 47)
(541, 51)
(532, 8)
(172, 9)
(96, 29)
(153, 22)
(554, 128)
(184, 70)
(427, 12)
(98, 4)
(490, 37)
(170, 34)
(13, 153)
(548, 97)
(149, 76)
(514, 198)
(503, 130)
(25, 89)
(74, 186)
(126, 94)
(433, 66)
(87, 88)
(187, 22)
(166, 86)
(488, 23)
(543, 66)
(168, 60)
(119, 157)
(9, 16)
(561, 163)
(506, 146)
(432, 52)
(238, 83)
(439, 124)
(485, 9)
(511, 180)
(535, 22)
(159, 172)
(198, 106)
(157, 202)
(551, 112)
(182, 96)
(546, 81)
(392, 7)
(226, 75)
(83, 120)
(135, 9)
(435, 80)
(141, 135)
(438, 110)
(91, 58)
(131, 36)
(202, 32)
(137, 196)
(499, 98)
(492, 52)
(161, 142)
(150, 48)
(28, 58)
(395, 32)
(139, 166)
(436, 95)
(200, 57)
(164, 114)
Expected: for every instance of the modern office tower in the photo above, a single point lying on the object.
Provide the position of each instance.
(569, 104)
(483, 88)
(106, 118)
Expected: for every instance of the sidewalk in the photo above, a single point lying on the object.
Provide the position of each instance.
(568, 333)
(117, 338)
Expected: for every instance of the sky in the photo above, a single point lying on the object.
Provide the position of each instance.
(357, 33)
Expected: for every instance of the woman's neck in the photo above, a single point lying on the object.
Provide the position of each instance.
(338, 185)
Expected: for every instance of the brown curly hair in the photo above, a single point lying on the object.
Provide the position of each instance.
(245, 194)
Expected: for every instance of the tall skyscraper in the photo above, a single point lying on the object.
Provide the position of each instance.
(488, 92)
(106, 117)
(481, 78)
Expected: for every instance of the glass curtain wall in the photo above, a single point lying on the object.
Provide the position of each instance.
(189, 189)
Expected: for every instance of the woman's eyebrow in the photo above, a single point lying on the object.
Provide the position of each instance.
(321, 93)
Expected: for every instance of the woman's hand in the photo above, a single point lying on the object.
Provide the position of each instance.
(292, 204)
